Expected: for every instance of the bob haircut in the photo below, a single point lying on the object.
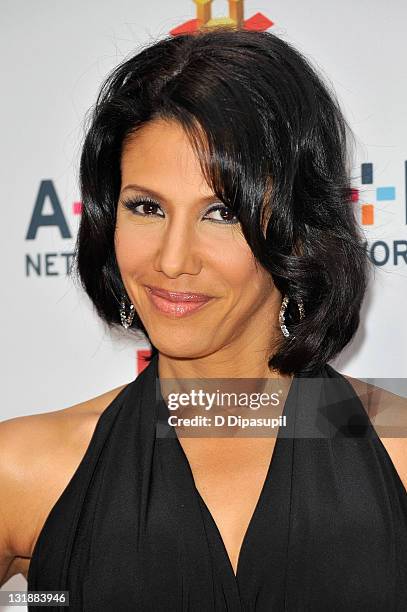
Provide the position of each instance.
(272, 144)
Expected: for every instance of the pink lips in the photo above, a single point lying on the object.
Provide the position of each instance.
(178, 304)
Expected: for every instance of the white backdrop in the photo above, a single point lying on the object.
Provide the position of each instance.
(54, 56)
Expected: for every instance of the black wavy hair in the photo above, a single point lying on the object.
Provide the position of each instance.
(272, 144)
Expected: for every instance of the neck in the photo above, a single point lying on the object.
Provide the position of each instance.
(218, 365)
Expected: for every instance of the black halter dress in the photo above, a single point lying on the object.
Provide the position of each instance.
(131, 532)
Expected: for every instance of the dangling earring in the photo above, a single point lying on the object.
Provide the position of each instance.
(126, 320)
(281, 316)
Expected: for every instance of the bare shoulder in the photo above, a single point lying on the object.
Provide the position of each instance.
(39, 454)
(388, 413)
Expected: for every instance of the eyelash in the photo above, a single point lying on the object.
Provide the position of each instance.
(134, 203)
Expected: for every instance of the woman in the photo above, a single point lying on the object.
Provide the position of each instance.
(217, 220)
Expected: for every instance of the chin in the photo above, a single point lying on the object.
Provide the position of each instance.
(180, 350)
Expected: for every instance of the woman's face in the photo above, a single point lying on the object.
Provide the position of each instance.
(182, 242)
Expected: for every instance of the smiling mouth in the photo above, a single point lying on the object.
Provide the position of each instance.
(177, 305)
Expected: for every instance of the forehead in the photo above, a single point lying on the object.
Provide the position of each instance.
(160, 156)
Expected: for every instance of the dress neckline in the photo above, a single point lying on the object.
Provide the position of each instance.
(289, 410)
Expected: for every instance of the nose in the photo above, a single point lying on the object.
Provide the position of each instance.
(177, 250)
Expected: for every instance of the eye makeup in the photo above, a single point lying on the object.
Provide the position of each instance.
(146, 202)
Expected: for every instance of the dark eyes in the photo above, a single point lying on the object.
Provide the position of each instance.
(150, 207)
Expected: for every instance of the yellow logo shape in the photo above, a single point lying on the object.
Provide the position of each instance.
(204, 14)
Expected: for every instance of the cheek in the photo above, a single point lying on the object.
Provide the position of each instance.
(237, 264)
(133, 249)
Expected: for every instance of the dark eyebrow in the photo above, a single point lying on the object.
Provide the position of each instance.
(155, 194)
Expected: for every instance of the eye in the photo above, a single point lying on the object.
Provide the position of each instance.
(223, 210)
(149, 208)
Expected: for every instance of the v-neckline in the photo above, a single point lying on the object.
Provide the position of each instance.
(250, 525)
(260, 501)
